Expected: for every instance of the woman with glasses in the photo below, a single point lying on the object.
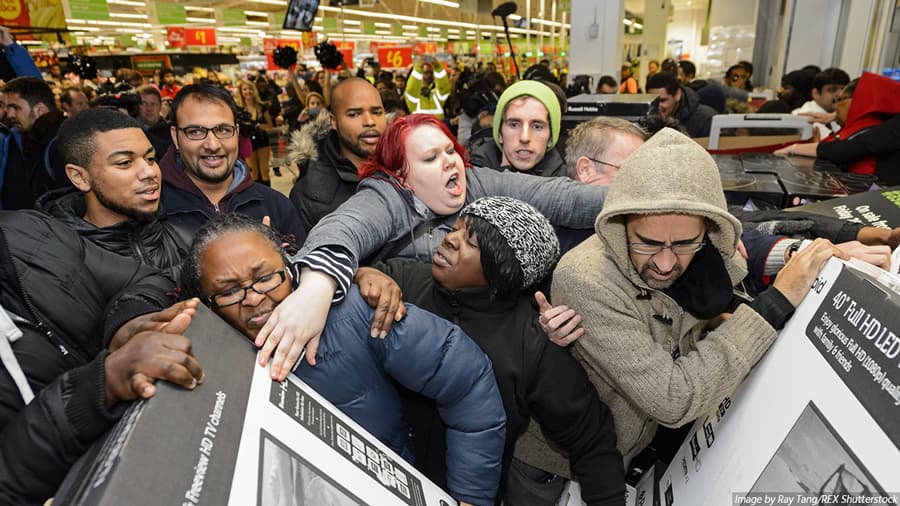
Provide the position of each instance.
(255, 115)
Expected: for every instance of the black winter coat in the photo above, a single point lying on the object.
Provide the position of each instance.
(158, 243)
(327, 179)
(536, 379)
(73, 296)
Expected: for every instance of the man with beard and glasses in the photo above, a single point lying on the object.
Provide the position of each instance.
(202, 175)
(663, 342)
(115, 201)
(329, 150)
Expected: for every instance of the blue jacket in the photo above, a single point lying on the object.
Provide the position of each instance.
(425, 354)
(189, 208)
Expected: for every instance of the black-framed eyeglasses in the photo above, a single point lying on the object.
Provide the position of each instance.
(682, 248)
(601, 162)
(198, 133)
(261, 285)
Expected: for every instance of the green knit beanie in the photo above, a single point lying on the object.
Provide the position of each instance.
(535, 89)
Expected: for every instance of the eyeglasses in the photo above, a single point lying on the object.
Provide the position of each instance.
(601, 162)
(198, 133)
(261, 285)
(682, 248)
(737, 77)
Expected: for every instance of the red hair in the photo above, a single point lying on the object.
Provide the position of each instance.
(390, 153)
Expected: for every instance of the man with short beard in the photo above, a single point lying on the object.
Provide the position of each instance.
(115, 201)
(663, 342)
(202, 175)
(329, 150)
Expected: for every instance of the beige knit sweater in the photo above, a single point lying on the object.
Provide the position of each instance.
(626, 351)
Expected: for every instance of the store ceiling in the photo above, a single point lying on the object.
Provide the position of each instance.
(137, 17)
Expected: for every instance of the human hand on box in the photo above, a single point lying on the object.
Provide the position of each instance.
(132, 370)
(296, 323)
(160, 321)
(383, 294)
(879, 256)
(874, 236)
(802, 268)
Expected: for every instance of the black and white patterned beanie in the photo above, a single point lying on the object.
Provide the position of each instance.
(528, 233)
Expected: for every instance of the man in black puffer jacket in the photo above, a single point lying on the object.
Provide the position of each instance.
(329, 150)
(113, 165)
(64, 299)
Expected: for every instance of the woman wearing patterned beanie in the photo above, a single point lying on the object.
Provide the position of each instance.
(477, 279)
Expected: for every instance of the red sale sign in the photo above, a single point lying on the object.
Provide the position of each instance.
(395, 57)
(200, 36)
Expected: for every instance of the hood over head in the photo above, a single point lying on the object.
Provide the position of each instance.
(670, 173)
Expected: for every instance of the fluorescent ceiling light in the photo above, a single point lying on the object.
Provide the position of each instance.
(199, 20)
(257, 23)
(281, 3)
(202, 9)
(127, 16)
(129, 3)
(445, 3)
(256, 13)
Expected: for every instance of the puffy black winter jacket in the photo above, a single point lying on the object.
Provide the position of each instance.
(73, 295)
(159, 242)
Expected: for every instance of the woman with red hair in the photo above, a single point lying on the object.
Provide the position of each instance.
(409, 195)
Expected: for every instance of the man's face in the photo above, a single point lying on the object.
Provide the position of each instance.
(457, 262)
(169, 79)
(358, 119)
(602, 171)
(524, 133)
(212, 159)
(842, 108)
(737, 78)
(236, 261)
(149, 109)
(607, 89)
(21, 115)
(661, 270)
(668, 104)
(427, 74)
(77, 102)
(124, 177)
(681, 77)
(827, 96)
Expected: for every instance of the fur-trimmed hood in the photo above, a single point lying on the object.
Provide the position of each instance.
(304, 144)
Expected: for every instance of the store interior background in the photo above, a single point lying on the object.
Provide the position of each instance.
(587, 36)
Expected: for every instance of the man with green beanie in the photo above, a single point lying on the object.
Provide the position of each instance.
(526, 128)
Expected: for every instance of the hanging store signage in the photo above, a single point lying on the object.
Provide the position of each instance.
(170, 14)
(395, 57)
(200, 36)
